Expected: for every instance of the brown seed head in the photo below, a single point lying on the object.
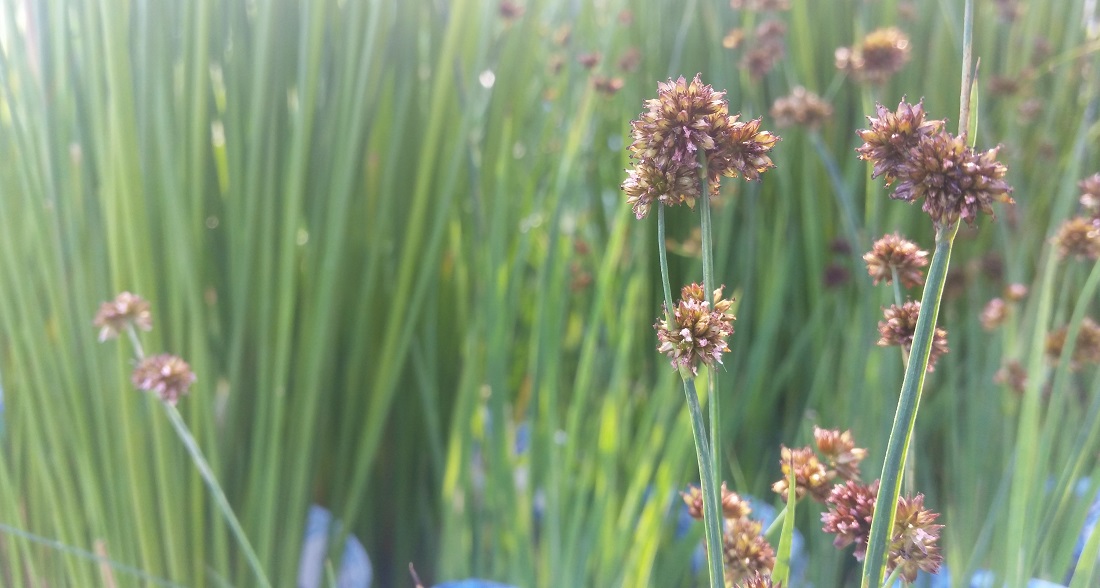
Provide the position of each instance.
(851, 506)
(914, 544)
(589, 60)
(993, 314)
(1013, 375)
(1090, 195)
(126, 309)
(899, 326)
(1015, 292)
(767, 47)
(733, 506)
(802, 108)
(882, 54)
(166, 375)
(892, 135)
(840, 451)
(1079, 237)
(745, 551)
(810, 476)
(1086, 350)
(895, 253)
(698, 333)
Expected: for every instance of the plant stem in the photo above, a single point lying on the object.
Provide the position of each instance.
(711, 522)
(706, 231)
(663, 254)
(904, 420)
(215, 490)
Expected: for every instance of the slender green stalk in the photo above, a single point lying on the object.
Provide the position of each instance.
(706, 231)
(905, 419)
(215, 490)
(662, 250)
(711, 522)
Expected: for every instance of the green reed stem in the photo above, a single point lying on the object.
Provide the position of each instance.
(706, 231)
(711, 522)
(663, 254)
(901, 432)
(215, 491)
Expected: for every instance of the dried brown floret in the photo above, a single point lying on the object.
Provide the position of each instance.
(901, 324)
(840, 451)
(810, 476)
(894, 253)
(851, 506)
(698, 333)
(1079, 237)
(1086, 350)
(892, 135)
(167, 375)
(914, 544)
(802, 108)
(745, 551)
(126, 309)
(882, 54)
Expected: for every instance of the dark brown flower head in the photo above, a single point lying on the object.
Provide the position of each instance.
(1079, 237)
(851, 506)
(892, 135)
(899, 326)
(802, 108)
(733, 506)
(767, 47)
(758, 580)
(1013, 375)
(1015, 292)
(1008, 10)
(510, 10)
(835, 275)
(954, 180)
(630, 59)
(126, 309)
(761, 5)
(606, 85)
(895, 253)
(993, 314)
(914, 544)
(698, 332)
(693, 498)
(745, 150)
(166, 375)
(840, 451)
(745, 551)
(589, 60)
(882, 54)
(1090, 195)
(646, 184)
(1086, 350)
(810, 476)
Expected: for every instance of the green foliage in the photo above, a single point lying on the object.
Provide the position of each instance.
(389, 239)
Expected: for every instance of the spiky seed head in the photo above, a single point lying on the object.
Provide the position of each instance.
(810, 476)
(168, 376)
(914, 546)
(901, 324)
(1079, 237)
(745, 551)
(892, 135)
(851, 507)
(126, 309)
(697, 333)
(840, 451)
(801, 108)
(894, 252)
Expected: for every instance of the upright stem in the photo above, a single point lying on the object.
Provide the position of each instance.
(904, 420)
(663, 254)
(711, 522)
(707, 246)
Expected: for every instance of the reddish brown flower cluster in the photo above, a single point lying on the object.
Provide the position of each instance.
(686, 127)
(166, 375)
(882, 54)
(1090, 195)
(801, 108)
(851, 506)
(811, 476)
(697, 333)
(895, 255)
(1079, 237)
(745, 551)
(119, 314)
(901, 324)
(1086, 349)
(914, 544)
(954, 180)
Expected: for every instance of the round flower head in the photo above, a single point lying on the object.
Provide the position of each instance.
(851, 506)
(1079, 237)
(126, 309)
(882, 54)
(801, 108)
(810, 476)
(993, 314)
(646, 184)
(892, 134)
(166, 375)
(895, 253)
(745, 150)
(1090, 195)
(913, 547)
(745, 550)
(840, 451)
(901, 324)
(954, 180)
(697, 333)
(1086, 350)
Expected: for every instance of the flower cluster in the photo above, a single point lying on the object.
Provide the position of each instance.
(913, 546)
(895, 255)
(1087, 346)
(811, 476)
(901, 324)
(882, 54)
(851, 506)
(929, 163)
(119, 314)
(1090, 195)
(168, 376)
(745, 551)
(688, 128)
(802, 108)
(696, 333)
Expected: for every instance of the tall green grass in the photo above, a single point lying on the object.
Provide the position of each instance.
(389, 239)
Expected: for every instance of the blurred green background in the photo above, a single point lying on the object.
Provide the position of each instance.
(389, 238)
